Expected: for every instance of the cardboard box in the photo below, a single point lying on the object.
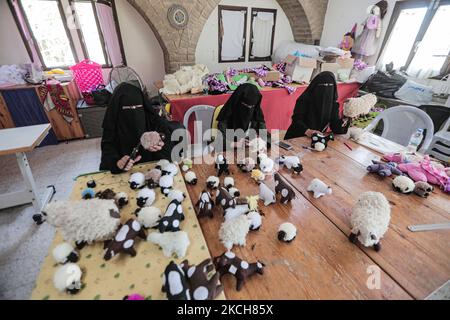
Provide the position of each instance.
(272, 75)
(341, 68)
(300, 69)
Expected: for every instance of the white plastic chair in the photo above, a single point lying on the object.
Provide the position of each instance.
(401, 122)
(440, 146)
(203, 114)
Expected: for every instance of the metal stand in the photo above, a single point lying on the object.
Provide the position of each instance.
(29, 195)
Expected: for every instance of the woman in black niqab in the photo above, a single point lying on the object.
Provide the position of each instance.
(242, 111)
(317, 109)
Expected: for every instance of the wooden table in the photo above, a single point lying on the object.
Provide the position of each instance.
(321, 263)
(19, 141)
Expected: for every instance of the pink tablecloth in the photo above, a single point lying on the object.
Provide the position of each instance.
(277, 104)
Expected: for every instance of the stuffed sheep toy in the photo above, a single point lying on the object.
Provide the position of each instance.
(319, 141)
(175, 283)
(356, 107)
(228, 182)
(191, 178)
(403, 184)
(291, 163)
(370, 219)
(247, 165)
(283, 188)
(67, 278)
(205, 205)
(152, 177)
(287, 232)
(234, 231)
(137, 180)
(265, 163)
(145, 198)
(239, 210)
(177, 195)
(187, 165)
(84, 221)
(172, 218)
(201, 285)
(255, 220)
(124, 240)
(88, 193)
(257, 145)
(222, 165)
(171, 242)
(64, 253)
(423, 189)
(166, 184)
(384, 169)
(229, 185)
(121, 199)
(169, 169)
(161, 163)
(266, 194)
(225, 199)
(319, 188)
(212, 182)
(148, 217)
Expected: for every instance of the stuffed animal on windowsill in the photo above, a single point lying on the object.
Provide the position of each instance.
(319, 141)
(229, 263)
(67, 278)
(124, 240)
(172, 218)
(222, 165)
(291, 163)
(370, 219)
(384, 169)
(201, 286)
(64, 253)
(283, 188)
(171, 243)
(319, 188)
(205, 205)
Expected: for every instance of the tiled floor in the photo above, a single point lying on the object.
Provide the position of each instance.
(23, 245)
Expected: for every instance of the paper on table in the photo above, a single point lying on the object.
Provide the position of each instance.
(379, 144)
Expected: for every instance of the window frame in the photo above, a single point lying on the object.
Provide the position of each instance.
(433, 7)
(33, 38)
(253, 14)
(220, 32)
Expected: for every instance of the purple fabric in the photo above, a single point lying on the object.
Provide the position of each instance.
(108, 26)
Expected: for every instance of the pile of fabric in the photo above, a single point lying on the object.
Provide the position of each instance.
(185, 80)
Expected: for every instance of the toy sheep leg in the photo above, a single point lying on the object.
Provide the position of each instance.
(353, 237)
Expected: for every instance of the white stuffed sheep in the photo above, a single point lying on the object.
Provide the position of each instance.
(404, 185)
(234, 192)
(287, 232)
(161, 163)
(319, 188)
(255, 220)
(228, 182)
(166, 184)
(291, 163)
(177, 195)
(191, 178)
(145, 198)
(237, 211)
(370, 219)
(137, 180)
(84, 221)
(266, 195)
(149, 216)
(234, 231)
(356, 107)
(169, 169)
(121, 199)
(67, 278)
(212, 182)
(64, 253)
(171, 242)
(265, 163)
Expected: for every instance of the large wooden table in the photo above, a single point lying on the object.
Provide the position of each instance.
(321, 263)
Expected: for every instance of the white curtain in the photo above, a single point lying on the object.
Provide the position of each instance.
(262, 34)
(233, 35)
(108, 26)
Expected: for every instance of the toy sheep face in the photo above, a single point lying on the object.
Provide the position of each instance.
(64, 253)
(212, 183)
(137, 180)
(423, 189)
(191, 178)
(228, 182)
(169, 169)
(403, 184)
(124, 240)
(121, 199)
(67, 278)
(145, 197)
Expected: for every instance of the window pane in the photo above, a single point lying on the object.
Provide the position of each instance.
(47, 26)
(88, 24)
(403, 36)
(434, 48)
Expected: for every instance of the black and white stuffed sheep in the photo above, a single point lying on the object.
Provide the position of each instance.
(212, 182)
(291, 163)
(178, 195)
(228, 182)
(283, 188)
(169, 169)
(124, 240)
(202, 286)
(266, 194)
(174, 283)
(171, 222)
(191, 178)
(423, 189)
(403, 184)
(64, 253)
(121, 199)
(266, 164)
(247, 165)
(84, 222)
(205, 205)
(319, 188)
(222, 165)
(148, 217)
(255, 220)
(166, 184)
(225, 199)
(137, 180)
(319, 141)
(161, 163)
(67, 278)
(370, 219)
(287, 232)
(152, 177)
(171, 242)
(145, 198)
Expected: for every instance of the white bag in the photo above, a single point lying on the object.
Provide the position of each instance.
(415, 93)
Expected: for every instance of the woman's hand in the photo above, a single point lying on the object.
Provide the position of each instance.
(122, 163)
(309, 133)
(152, 141)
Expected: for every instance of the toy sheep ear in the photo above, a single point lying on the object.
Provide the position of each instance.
(114, 214)
(373, 237)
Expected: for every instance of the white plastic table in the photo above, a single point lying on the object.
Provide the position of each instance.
(18, 141)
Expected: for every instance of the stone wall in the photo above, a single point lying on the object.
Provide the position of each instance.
(306, 18)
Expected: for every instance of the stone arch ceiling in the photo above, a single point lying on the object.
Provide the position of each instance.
(305, 16)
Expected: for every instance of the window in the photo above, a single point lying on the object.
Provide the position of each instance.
(262, 34)
(418, 38)
(232, 33)
(45, 24)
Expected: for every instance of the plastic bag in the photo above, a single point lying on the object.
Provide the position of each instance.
(361, 76)
(415, 93)
(384, 84)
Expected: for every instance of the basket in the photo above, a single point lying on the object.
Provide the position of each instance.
(88, 75)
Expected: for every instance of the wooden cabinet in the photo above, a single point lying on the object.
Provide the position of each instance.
(63, 129)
